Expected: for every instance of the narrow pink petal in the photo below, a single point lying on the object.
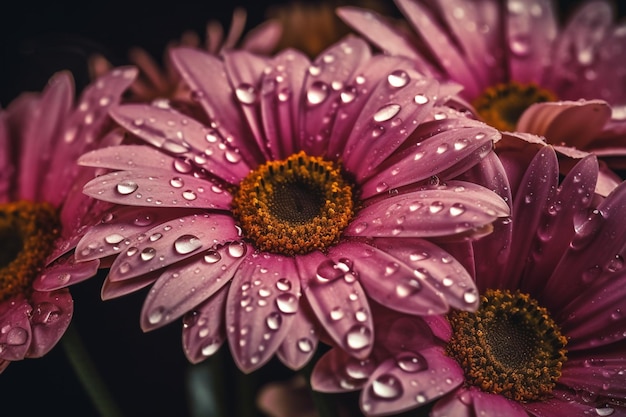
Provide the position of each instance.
(383, 125)
(65, 271)
(337, 371)
(117, 226)
(237, 26)
(494, 405)
(280, 102)
(183, 137)
(261, 306)
(186, 284)
(339, 302)
(562, 403)
(263, 38)
(457, 404)
(440, 326)
(397, 333)
(389, 280)
(453, 151)
(51, 314)
(597, 371)
(530, 31)
(216, 96)
(441, 46)
(172, 242)
(84, 129)
(301, 341)
(455, 208)
(436, 267)
(126, 157)
(327, 76)
(153, 188)
(204, 329)
(114, 289)
(3, 365)
(16, 334)
(409, 381)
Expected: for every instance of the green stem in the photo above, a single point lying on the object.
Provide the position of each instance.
(87, 374)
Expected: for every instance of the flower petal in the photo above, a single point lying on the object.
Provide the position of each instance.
(204, 329)
(114, 289)
(187, 284)
(65, 271)
(16, 334)
(562, 403)
(124, 157)
(301, 341)
(339, 302)
(494, 405)
(410, 380)
(457, 404)
(337, 371)
(597, 371)
(260, 309)
(171, 242)
(50, 317)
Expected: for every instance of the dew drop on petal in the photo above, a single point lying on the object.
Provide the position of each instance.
(176, 182)
(358, 337)
(386, 112)
(114, 238)
(273, 321)
(305, 345)
(317, 93)
(359, 369)
(124, 267)
(457, 209)
(212, 257)
(336, 314)
(189, 195)
(147, 254)
(143, 220)
(470, 296)
(420, 99)
(156, 315)
(236, 249)
(348, 94)
(126, 187)
(435, 207)
(246, 93)
(210, 348)
(410, 362)
(287, 303)
(408, 288)
(519, 45)
(283, 284)
(186, 244)
(387, 387)
(326, 272)
(398, 78)
(605, 411)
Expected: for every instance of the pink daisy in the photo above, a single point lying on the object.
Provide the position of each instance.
(42, 211)
(511, 59)
(257, 219)
(549, 336)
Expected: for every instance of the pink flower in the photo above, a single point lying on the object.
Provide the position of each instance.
(42, 211)
(549, 336)
(509, 58)
(305, 184)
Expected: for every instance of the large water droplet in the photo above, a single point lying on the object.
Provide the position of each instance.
(470, 296)
(114, 238)
(273, 321)
(605, 411)
(126, 187)
(186, 244)
(387, 387)
(398, 78)
(327, 271)
(358, 337)
(457, 209)
(410, 362)
(147, 254)
(348, 94)
(317, 93)
(175, 146)
(386, 112)
(177, 182)
(236, 249)
(156, 315)
(287, 303)
(283, 284)
(212, 257)
(246, 93)
(420, 99)
(305, 345)
(189, 195)
(210, 348)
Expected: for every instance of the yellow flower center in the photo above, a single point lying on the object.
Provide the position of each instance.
(502, 105)
(294, 206)
(510, 346)
(27, 234)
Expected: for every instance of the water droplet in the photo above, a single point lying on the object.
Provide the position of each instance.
(361, 315)
(605, 411)
(147, 254)
(615, 264)
(176, 182)
(386, 112)
(283, 284)
(17, 336)
(175, 146)
(246, 93)
(126, 187)
(305, 345)
(358, 337)
(189, 195)
(421, 398)
(377, 131)
(470, 296)
(519, 45)
(114, 238)
(315, 70)
(287, 303)
(232, 156)
(387, 387)
(186, 244)
(210, 348)
(457, 209)
(124, 268)
(273, 321)
(435, 207)
(408, 288)
(336, 314)
(183, 166)
(420, 99)
(236, 249)
(398, 78)
(359, 369)
(212, 257)
(348, 94)
(410, 362)
(327, 271)
(317, 93)
(156, 315)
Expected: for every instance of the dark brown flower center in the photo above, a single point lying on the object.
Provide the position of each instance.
(27, 234)
(294, 206)
(502, 105)
(510, 346)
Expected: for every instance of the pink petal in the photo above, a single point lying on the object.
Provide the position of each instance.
(493, 405)
(301, 341)
(65, 271)
(457, 404)
(391, 281)
(337, 371)
(204, 328)
(208, 81)
(409, 381)
(179, 135)
(596, 371)
(16, 334)
(452, 151)
(172, 242)
(397, 333)
(260, 309)
(263, 38)
(339, 302)
(455, 208)
(440, 326)
(124, 157)
(50, 317)
(3, 365)
(563, 403)
(188, 283)
(114, 289)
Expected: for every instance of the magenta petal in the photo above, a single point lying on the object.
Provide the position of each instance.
(155, 188)
(600, 371)
(300, 342)
(440, 326)
(396, 333)
(3, 365)
(204, 329)
(260, 309)
(16, 334)
(457, 404)
(51, 315)
(336, 371)
(339, 302)
(65, 271)
(452, 151)
(171, 242)
(391, 281)
(177, 134)
(113, 289)
(562, 403)
(494, 405)
(410, 380)
(124, 157)
(436, 267)
(455, 208)
(186, 284)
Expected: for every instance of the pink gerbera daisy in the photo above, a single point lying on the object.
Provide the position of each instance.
(512, 56)
(549, 336)
(41, 220)
(275, 195)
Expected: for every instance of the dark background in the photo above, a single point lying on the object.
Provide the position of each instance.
(146, 373)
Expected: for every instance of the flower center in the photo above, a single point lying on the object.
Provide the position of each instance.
(294, 206)
(27, 234)
(502, 105)
(510, 346)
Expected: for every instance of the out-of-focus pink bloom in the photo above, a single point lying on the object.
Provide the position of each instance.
(549, 337)
(43, 213)
(514, 56)
(156, 82)
(279, 213)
